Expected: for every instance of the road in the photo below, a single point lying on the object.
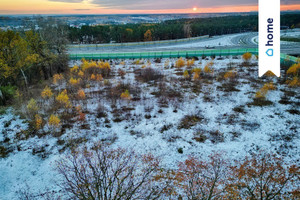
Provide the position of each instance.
(232, 41)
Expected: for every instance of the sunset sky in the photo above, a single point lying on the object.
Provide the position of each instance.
(133, 6)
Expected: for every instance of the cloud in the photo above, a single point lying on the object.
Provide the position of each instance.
(68, 1)
(175, 4)
(81, 9)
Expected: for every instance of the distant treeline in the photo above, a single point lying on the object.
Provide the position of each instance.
(173, 29)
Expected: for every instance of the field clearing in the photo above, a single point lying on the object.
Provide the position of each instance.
(169, 107)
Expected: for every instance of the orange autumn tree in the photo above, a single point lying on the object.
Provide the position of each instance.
(247, 56)
(264, 176)
(180, 63)
(202, 179)
(81, 94)
(148, 35)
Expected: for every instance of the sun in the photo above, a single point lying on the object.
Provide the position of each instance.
(195, 9)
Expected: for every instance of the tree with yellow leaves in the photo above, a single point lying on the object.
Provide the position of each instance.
(38, 122)
(247, 56)
(63, 99)
(197, 70)
(196, 76)
(269, 86)
(54, 121)
(180, 63)
(126, 95)
(32, 106)
(47, 93)
(74, 69)
(230, 75)
(104, 68)
(93, 77)
(16, 56)
(190, 63)
(261, 94)
(81, 74)
(295, 82)
(99, 77)
(57, 78)
(186, 74)
(74, 81)
(294, 69)
(207, 69)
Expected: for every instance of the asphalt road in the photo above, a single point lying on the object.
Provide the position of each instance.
(232, 41)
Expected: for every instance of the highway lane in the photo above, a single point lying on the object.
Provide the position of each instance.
(232, 41)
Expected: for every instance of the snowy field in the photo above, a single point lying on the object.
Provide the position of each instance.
(171, 117)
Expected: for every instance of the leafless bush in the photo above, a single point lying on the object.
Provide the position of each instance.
(102, 173)
(114, 92)
(121, 73)
(148, 74)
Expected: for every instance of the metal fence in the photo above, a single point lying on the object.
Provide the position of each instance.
(163, 54)
(176, 54)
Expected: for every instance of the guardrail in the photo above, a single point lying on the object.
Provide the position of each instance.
(176, 54)
(288, 60)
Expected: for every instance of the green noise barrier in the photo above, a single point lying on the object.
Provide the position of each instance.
(175, 54)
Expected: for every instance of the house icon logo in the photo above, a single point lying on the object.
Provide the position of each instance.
(270, 52)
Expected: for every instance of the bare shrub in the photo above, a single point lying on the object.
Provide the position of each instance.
(148, 74)
(189, 120)
(103, 173)
(115, 92)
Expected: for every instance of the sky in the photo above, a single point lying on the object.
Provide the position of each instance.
(133, 6)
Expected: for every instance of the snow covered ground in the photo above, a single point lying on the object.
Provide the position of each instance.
(229, 123)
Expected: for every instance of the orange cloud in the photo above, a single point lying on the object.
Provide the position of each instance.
(85, 7)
